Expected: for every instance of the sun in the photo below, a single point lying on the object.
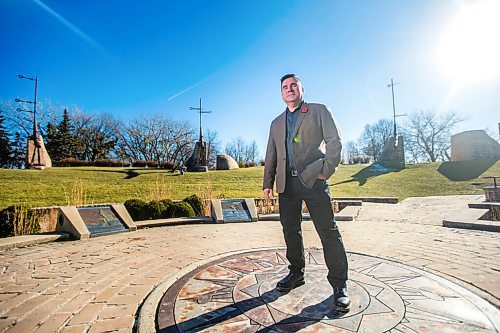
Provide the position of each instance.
(469, 49)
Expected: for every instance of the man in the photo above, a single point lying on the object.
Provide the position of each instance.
(303, 151)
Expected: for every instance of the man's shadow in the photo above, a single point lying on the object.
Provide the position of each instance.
(307, 317)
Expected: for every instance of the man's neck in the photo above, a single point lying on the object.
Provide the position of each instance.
(292, 106)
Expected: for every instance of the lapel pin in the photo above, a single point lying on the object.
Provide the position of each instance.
(304, 110)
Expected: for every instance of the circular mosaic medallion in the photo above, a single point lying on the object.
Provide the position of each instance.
(237, 294)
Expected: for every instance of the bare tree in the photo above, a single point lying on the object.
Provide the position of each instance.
(252, 152)
(97, 134)
(22, 121)
(350, 151)
(155, 138)
(428, 134)
(242, 152)
(214, 147)
(236, 149)
(374, 137)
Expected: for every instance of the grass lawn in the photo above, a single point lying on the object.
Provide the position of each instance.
(92, 185)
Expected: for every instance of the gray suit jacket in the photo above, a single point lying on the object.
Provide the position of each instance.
(317, 146)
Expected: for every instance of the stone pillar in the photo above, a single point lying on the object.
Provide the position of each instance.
(37, 156)
(198, 160)
(393, 154)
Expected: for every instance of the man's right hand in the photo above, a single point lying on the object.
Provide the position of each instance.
(268, 194)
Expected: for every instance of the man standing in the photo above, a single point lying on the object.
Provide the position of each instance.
(303, 151)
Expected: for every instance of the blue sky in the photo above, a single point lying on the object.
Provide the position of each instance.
(142, 57)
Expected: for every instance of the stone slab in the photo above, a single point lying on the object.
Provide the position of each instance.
(28, 240)
(493, 226)
(173, 221)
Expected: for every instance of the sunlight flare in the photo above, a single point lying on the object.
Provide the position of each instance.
(469, 49)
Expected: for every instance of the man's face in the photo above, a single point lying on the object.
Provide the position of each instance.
(292, 90)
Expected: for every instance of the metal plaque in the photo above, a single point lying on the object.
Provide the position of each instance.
(101, 220)
(235, 210)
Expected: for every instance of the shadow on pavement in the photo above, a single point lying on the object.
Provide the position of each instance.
(289, 324)
(465, 170)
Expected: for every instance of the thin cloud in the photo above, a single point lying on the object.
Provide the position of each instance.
(187, 89)
(86, 38)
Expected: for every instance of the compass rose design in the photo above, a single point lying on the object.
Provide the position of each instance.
(237, 294)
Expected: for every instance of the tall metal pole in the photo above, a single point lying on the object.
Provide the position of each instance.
(35, 134)
(200, 110)
(201, 130)
(393, 105)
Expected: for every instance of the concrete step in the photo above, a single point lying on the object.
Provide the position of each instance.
(349, 213)
(349, 202)
(392, 200)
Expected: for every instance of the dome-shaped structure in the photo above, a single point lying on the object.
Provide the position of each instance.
(226, 162)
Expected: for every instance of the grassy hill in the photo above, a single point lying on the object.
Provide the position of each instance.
(92, 185)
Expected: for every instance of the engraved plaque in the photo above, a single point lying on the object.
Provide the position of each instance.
(101, 220)
(235, 210)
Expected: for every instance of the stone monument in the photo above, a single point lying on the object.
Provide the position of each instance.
(37, 156)
(393, 153)
(198, 160)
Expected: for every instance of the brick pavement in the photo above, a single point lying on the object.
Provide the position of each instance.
(98, 285)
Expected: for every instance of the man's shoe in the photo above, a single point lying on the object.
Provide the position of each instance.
(291, 281)
(341, 300)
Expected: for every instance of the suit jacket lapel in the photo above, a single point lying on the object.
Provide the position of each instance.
(281, 134)
(300, 118)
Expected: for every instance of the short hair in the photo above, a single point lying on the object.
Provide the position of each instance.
(289, 76)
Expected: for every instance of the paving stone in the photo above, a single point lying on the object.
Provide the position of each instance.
(126, 299)
(19, 288)
(109, 325)
(6, 323)
(52, 324)
(107, 294)
(88, 314)
(136, 290)
(29, 305)
(75, 329)
(115, 311)
(77, 303)
(33, 318)
(13, 302)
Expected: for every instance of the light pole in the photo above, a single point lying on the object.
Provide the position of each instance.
(35, 135)
(37, 151)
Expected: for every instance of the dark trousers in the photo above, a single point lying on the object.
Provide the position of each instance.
(318, 201)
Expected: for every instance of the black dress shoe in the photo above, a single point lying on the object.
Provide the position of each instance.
(341, 300)
(291, 281)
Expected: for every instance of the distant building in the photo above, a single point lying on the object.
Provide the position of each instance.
(474, 145)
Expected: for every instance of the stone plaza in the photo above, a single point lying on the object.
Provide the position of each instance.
(408, 273)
